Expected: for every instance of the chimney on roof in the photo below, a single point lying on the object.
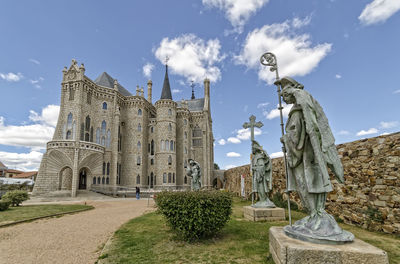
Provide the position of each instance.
(149, 88)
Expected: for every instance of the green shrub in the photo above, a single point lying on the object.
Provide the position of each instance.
(278, 200)
(4, 204)
(16, 197)
(195, 215)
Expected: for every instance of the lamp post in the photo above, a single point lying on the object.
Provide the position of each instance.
(269, 59)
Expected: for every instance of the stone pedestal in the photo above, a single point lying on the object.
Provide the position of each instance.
(290, 251)
(263, 214)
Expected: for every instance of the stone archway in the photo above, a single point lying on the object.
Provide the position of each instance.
(65, 179)
(83, 178)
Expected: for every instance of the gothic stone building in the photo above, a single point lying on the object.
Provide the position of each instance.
(107, 137)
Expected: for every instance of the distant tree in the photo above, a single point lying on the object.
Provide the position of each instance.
(216, 167)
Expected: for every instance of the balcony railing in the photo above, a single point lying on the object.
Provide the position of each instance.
(57, 144)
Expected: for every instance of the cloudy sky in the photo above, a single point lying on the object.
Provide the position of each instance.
(346, 54)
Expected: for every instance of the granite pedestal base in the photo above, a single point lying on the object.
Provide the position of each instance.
(290, 251)
(263, 214)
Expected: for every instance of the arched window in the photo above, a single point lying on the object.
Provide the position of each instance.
(169, 112)
(108, 138)
(138, 179)
(82, 132)
(185, 121)
(108, 180)
(171, 147)
(73, 130)
(94, 180)
(185, 164)
(103, 127)
(139, 128)
(103, 141)
(197, 131)
(185, 180)
(69, 134)
(98, 135)
(152, 147)
(173, 177)
(185, 135)
(103, 180)
(169, 127)
(98, 180)
(166, 145)
(108, 168)
(169, 160)
(151, 129)
(139, 145)
(87, 123)
(138, 160)
(139, 112)
(164, 178)
(104, 168)
(87, 137)
(105, 106)
(69, 121)
(162, 145)
(169, 177)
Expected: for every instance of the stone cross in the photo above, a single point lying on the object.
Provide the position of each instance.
(251, 125)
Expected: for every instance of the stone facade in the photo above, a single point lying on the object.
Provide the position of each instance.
(370, 196)
(106, 136)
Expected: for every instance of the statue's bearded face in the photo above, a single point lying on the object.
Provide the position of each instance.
(287, 95)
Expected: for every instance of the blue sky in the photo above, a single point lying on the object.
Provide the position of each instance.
(346, 54)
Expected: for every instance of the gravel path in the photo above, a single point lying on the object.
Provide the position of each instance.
(76, 238)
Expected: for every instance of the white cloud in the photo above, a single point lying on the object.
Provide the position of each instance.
(245, 133)
(343, 132)
(237, 12)
(234, 140)
(34, 136)
(21, 161)
(387, 125)
(175, 91)
(295, 54)
(34, 61)
(36, 82)
(233, 154)
(276, 113)
(262, 105)
(147, 69)
(367, 132)
(276, 155)
(222, 141)
(48, 117)
(192, 57)
(299, 23)
(384, 134)
(11, 77)
(338, 76)
(230, 166)
(397, 91)
(378, 11)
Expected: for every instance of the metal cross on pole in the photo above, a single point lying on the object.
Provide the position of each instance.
(252, 125)
(269, 59)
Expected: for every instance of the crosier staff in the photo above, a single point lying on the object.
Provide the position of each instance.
(269, 59)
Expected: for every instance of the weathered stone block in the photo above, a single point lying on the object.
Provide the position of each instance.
(263, 214)
(288, 250)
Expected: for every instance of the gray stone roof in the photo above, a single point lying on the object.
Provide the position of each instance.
(107, 81)
(166, 90)
(194, 105)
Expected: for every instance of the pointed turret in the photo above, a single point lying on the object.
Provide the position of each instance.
(166, 90)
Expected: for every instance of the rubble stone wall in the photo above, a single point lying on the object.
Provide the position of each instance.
(370, 196)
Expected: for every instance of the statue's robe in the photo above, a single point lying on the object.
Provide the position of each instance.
(262, 174)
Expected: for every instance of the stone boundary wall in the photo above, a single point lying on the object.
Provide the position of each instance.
(370, 196)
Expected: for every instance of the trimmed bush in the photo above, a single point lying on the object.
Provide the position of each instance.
(195, 215)
(16, 197)
(4, 205)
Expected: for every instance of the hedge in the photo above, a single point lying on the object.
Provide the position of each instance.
(4, 205)
(15, 197)
(195, 215)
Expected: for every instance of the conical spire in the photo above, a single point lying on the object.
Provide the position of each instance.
(166, 90)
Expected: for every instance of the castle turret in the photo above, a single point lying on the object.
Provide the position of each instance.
(149, 91)
(166, 137)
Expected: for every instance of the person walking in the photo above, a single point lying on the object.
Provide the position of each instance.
(137, 193)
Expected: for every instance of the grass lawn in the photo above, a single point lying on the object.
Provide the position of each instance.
(26, 212)
(148, 239)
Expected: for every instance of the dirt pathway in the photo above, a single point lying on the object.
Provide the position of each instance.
(74, 238)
